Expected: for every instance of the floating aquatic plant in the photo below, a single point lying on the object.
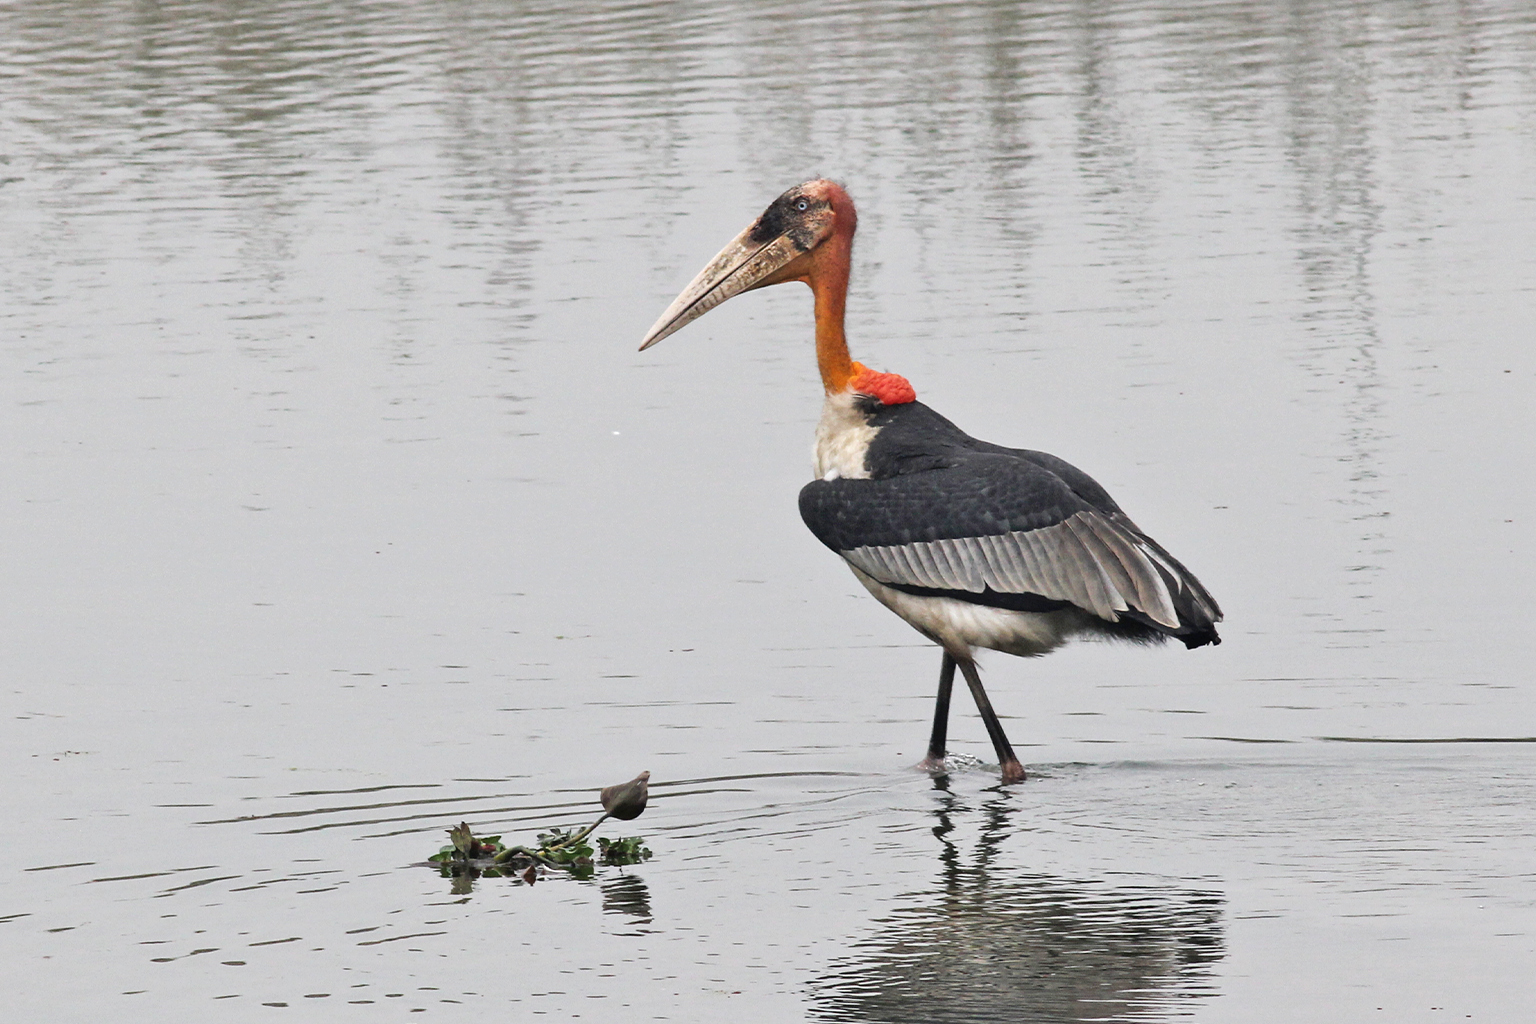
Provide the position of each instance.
(622, 851)
(468, 856)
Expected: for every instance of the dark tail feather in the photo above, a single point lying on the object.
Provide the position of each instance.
(1197, 610)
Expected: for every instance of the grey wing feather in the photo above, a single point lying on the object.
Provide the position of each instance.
(1087, 559)
(964, 567)
(1009, 574)
(951, 570)
(1110, 558)
(1147, 583)
(1089, 575)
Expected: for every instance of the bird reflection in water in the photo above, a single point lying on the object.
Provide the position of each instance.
(994, 944)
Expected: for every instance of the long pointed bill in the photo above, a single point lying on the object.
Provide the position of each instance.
(741, 266)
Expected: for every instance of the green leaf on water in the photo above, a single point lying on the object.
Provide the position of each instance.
(629, 850)
(461, 837)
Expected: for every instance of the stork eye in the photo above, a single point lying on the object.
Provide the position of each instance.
(802, 206)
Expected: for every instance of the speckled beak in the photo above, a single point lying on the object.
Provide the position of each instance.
(744, 264)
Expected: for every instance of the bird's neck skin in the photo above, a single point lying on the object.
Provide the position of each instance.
(844, 434)
(831, 343)
(828, 279)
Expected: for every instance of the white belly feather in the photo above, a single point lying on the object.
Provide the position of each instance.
(959, 626)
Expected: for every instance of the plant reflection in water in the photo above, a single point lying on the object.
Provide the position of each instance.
(628, 896)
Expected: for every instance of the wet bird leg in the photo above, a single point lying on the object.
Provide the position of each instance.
(935, 759)
(1013, 771)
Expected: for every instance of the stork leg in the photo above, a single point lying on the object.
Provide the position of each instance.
(936, 741)
(1013, 771)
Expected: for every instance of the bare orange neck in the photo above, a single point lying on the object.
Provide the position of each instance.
(831, 343)
(829, 283)
(839, 373)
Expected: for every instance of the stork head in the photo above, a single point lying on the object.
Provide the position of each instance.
(805, 235)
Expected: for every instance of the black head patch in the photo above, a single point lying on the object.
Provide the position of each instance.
(795, 214)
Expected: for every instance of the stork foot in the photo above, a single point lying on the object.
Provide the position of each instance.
(1013, 772)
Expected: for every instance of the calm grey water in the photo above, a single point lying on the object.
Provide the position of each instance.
(338, 507)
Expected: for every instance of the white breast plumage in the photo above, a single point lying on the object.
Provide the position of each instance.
(843, 436)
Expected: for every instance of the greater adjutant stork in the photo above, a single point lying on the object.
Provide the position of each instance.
(974, 544)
